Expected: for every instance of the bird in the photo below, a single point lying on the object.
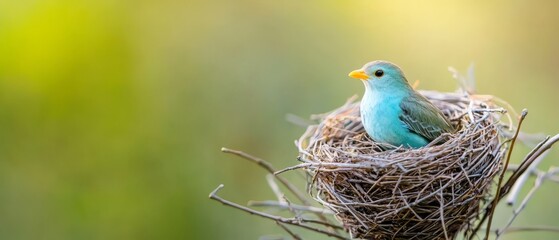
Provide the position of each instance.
(393, 112)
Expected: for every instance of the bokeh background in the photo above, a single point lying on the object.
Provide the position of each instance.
(112, 113)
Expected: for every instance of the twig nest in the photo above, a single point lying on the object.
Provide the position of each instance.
(432, 192)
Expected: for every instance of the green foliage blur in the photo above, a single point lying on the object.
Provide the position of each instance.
(113, 113)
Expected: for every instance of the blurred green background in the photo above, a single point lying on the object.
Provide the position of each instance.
(112, 113)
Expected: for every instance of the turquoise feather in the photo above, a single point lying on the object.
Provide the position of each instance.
(392, 112)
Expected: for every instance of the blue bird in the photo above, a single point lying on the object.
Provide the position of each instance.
(393, 112)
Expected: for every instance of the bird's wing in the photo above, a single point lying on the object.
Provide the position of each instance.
(422, 117)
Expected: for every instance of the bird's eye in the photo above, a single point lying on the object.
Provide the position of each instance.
(379, 73)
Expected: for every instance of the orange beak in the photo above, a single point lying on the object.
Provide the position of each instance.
(359, 74)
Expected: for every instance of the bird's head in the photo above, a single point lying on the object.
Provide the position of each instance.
(380, 74)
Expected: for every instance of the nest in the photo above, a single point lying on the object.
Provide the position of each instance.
(433, 192)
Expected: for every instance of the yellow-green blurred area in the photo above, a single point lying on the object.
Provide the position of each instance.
(113, 113)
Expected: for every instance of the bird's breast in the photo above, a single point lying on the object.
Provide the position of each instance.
(380, 117)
